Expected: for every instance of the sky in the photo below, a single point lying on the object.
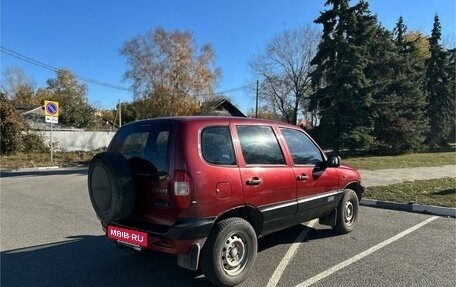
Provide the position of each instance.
(85, 36)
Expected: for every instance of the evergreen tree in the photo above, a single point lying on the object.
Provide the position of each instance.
(399, 31)
(439, 88)
(450, 132)
(343, 92)
(398, 73)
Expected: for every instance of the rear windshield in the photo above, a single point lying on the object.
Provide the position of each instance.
(148, 143)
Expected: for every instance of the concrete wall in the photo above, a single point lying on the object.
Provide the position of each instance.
(77, 140)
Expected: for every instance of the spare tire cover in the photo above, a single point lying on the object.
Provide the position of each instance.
(111, 186)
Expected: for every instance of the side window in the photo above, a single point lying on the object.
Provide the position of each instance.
(217, 146)
(259, 145)
(302, 149)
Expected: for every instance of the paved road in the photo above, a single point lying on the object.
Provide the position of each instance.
(50, 237)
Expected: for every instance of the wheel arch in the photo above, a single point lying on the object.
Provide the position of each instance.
(357, 188)
(252, 215)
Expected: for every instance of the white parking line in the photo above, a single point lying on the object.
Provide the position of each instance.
(361, 255)
(289, 255)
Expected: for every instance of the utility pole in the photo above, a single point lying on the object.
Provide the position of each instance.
(256, 107)
(120, 113)
(52, 148)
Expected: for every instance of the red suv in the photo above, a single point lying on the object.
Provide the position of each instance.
(205, 188)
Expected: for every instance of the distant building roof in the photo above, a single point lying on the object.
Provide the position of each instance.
(221, 107)
(34, 117)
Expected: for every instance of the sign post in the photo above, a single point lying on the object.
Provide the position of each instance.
(51, 115)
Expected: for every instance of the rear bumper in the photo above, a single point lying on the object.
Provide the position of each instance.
(186, 228)
(175, 239)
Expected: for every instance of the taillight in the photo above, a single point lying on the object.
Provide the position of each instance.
(182, 188)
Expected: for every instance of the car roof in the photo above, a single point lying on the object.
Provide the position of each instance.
(213, 119)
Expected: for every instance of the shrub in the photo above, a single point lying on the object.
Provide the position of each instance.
(11, 126)
(34, 143)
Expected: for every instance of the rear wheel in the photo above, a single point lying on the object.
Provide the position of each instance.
(347, 212)
(229, 252)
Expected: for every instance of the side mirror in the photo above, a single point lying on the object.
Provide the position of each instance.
(333, 161)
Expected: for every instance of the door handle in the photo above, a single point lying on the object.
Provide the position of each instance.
(303, 176)
(254, 181)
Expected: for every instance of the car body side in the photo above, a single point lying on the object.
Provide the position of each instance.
(221, 190)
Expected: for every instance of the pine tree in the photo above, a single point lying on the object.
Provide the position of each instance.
(440, 108)
(399, 32)
(450, 132)
(398, 73)
(343, 93)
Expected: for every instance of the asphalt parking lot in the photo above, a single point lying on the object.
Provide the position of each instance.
(50, 237)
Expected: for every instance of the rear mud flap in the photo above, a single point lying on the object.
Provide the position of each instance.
(190, 260)
(329, 219)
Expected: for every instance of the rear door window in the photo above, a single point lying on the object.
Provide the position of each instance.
(259, 145)
(217, 146)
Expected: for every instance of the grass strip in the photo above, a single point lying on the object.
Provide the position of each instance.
(402, 161)
(438, 192)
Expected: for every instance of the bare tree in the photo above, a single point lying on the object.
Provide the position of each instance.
(169, 69)
(18, 87)
(284, 71)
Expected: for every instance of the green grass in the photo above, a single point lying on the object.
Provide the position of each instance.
(439, 192)
(402, 161)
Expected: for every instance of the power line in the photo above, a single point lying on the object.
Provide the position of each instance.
(89, 80)
(233, 90)
(55, 69)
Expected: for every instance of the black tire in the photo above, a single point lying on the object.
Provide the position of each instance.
(111, 186)
(230, 252)
(347, 212)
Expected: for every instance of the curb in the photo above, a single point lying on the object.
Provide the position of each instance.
(48, 167)
(40, 168)
(411, 207)
(32, 168)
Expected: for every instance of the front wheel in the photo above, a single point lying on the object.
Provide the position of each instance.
(347, 212)
(229, 252)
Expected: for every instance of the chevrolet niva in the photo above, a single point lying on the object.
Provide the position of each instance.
(206, 188)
